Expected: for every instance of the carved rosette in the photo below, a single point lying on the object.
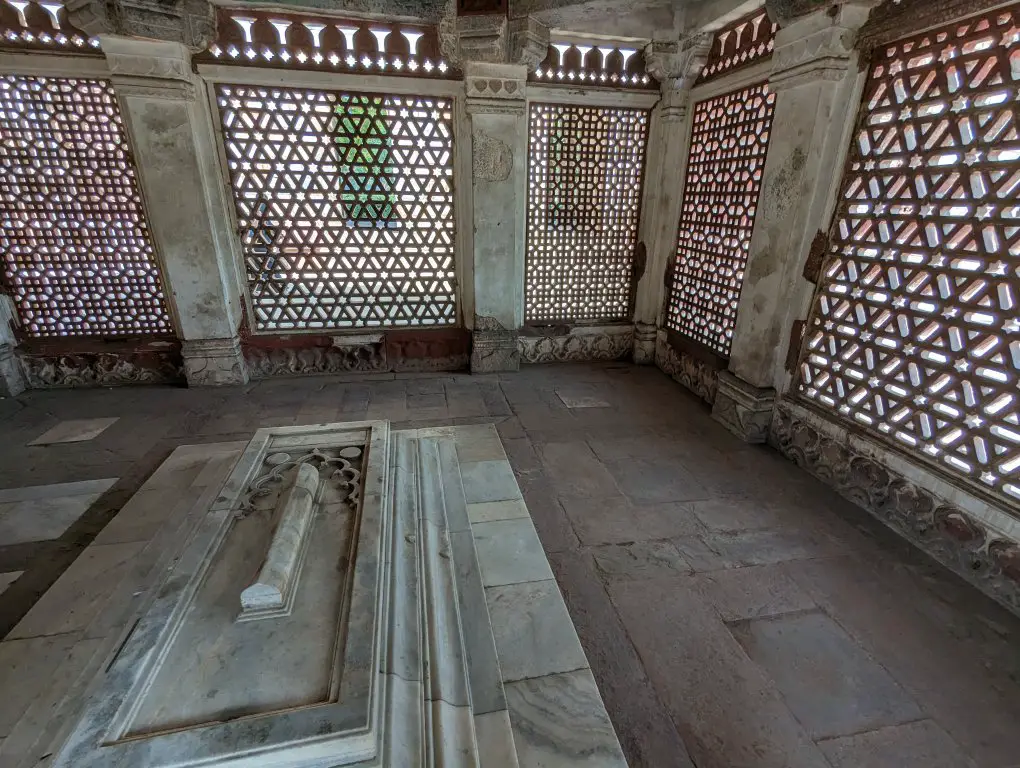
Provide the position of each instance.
(936, 525)
(491, 159)
(577, 347)
(699, 377)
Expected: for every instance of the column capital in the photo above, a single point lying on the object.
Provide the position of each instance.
(149, 68)
(529, 41)
(189, 22)
(678, 63)
(819, 46)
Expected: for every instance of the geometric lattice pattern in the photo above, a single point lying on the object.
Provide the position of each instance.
(585, 169)
(76, 247)
(915, 334)
(345, 206)
(729, 141)
(744, 41)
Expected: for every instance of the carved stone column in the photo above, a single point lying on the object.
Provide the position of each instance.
(499, 136)
(12, 377)
(813, 74)
(174, 145)
(677, 65)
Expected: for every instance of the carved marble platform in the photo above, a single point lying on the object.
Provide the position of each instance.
(354, 597)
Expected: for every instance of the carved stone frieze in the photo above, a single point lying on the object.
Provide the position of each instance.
(578, 345)
(190, 22)
(744, 410)
(264, 362)
(698, 376)
(150, 68)
(935, 524)
(495, 88)
(102, 369)
(806, 52)
(492, 159)
(529, 41)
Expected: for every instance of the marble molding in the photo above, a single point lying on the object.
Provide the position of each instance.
(745, 410)
(935, 524)
(214, 362)
(102, 369)
(579, 344)
(698, 376)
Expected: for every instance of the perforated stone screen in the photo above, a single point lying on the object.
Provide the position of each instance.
(914, 333)
(345, 204)
(729, 142)
(77, 253)
(585, 170)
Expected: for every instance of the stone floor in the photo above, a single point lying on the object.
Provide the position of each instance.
(734, 611)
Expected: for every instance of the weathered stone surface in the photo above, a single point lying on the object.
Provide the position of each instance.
(752, 593)
(827, 680)
(922, 744)
(724, 706)
(612, 520)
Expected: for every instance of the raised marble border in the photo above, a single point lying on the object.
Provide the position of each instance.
(545, 702)
(351, 720)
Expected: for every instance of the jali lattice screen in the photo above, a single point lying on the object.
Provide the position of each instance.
(76, 247)
(914, 333)
(345, 204)
(585, 169)
(729, 141)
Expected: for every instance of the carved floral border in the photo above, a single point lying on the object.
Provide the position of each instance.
(942, 529)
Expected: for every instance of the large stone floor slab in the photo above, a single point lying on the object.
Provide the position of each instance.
(942, 642)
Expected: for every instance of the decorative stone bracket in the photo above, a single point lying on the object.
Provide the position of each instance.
(816, 47)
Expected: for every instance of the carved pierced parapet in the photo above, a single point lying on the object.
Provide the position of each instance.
(943, 529)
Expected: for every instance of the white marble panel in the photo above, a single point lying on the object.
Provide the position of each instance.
(495, 740)
(509, 552)
(489, 481)
(41, 519)
(487, 511)
(74, 431)
(581, 401)
(532, 629)
(6, 579)
(559, 721)
(77, 596)
(56, 490)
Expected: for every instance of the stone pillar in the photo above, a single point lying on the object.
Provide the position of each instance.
(12, 377)
(813, 74)
(677, 65)
(499, 136)
(168, 116)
